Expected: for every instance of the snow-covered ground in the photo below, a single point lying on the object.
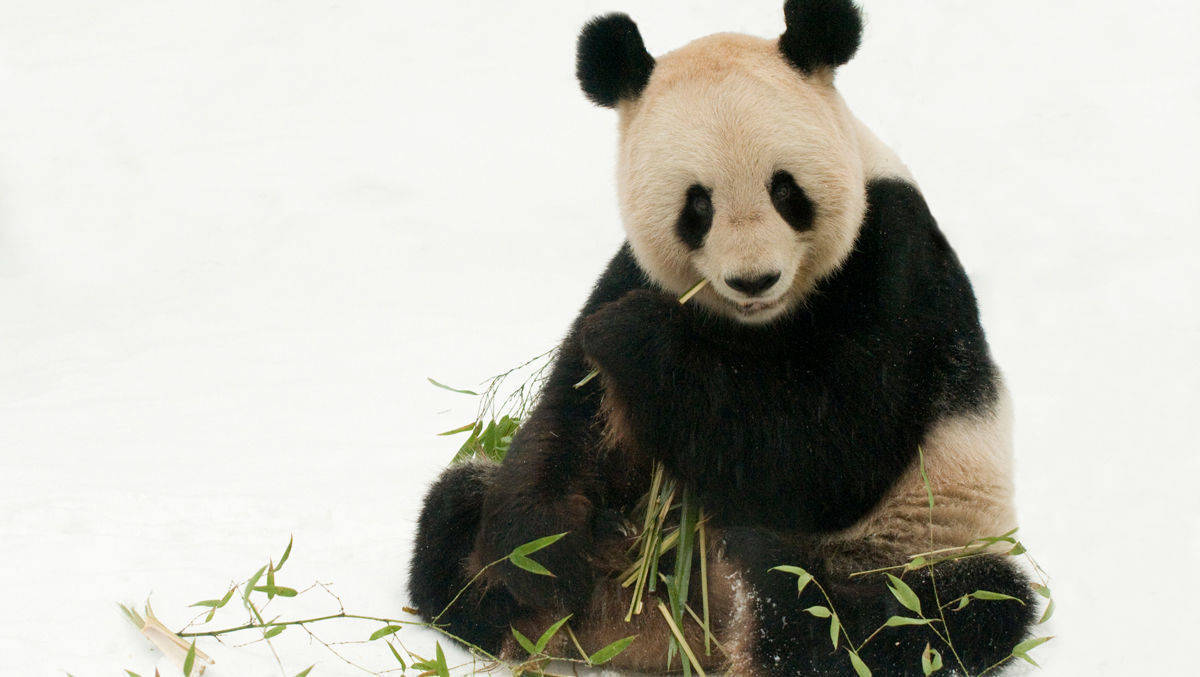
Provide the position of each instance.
(236, 237)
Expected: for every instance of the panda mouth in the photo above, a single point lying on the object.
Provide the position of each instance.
(754, 307)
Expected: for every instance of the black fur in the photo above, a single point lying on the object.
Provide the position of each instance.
(792, 202)
(445, 537)
(696, 217)
(800, 426)
(611, 61)
(820, 33)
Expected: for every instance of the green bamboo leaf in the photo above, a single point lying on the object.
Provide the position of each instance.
(549, 634)
(253, 582)
(399, 660)
(963, 602)
(462, 429)
(1047, 613)
(440, 665)
(274, 631)
(819, 611)
(131, 673)
(523, 641)
(270, 587)
(535, 545)
(904, 594)
(384, 632)
(214, 603)
(1017, 549)
(273, 590)
(1030, 644)
(443, 386)
(1041, 590)
(529, 565)
(304, 673)
(803, 578)
(834, 626)
(287, 552)
(611, 651)
(924, 477)
(189, 660)
(897, 621)
(931, 660)
(859, 666)
(916, 563)
(228, 595)
(988, 594)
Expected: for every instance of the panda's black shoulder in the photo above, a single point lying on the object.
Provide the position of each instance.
(904, 273)
(622, 275)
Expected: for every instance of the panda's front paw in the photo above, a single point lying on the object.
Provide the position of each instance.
(623, 337)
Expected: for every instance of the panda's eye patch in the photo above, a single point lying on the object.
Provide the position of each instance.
(791, 201)
(695, 219)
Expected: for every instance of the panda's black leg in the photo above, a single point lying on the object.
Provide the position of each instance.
(445, 538)
(787, 640)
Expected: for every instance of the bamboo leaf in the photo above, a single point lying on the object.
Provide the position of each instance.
(904, 594)
(1041, 590)
(461, 429)
(270, 587)
(533, 546)
(440, 666)
(611, 651)
(304, 673)
(529, 565)
(897, 621)
(287, 552)
(461, 391)
(274, 631)
(189, 660)
(253, 582)
(963, 602)
(859, 666)
(803, 578)
(399, 660)
(1047, 613)
(214, 603)
(988, 594)
(1017, 549)
(549, 634)
(931, 660)
(819, 611)
(924, 477)
(131, 673)
(273, 590)
(384, 632)
(834, 626)
(523, 641)
(1030, 644)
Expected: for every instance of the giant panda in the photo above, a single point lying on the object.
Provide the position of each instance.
(838, 335)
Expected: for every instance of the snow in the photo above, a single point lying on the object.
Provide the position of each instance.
(236, 237)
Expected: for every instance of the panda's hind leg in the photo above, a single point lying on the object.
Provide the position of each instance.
(439, 570)
(784, 639)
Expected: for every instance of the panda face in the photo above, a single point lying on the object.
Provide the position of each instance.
(738, 168)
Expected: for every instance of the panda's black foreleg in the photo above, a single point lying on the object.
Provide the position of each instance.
(788, 640)
(446, 533)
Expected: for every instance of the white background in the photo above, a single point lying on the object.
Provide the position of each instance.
(236, 237)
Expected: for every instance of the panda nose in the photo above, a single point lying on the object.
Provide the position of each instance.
(753, 285)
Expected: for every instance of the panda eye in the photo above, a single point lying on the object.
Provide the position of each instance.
(792, 202)
(695, 219)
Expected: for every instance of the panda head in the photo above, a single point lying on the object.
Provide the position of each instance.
(739, 162)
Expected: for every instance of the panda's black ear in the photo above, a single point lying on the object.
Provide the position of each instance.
(820, 33)
(611, 61)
